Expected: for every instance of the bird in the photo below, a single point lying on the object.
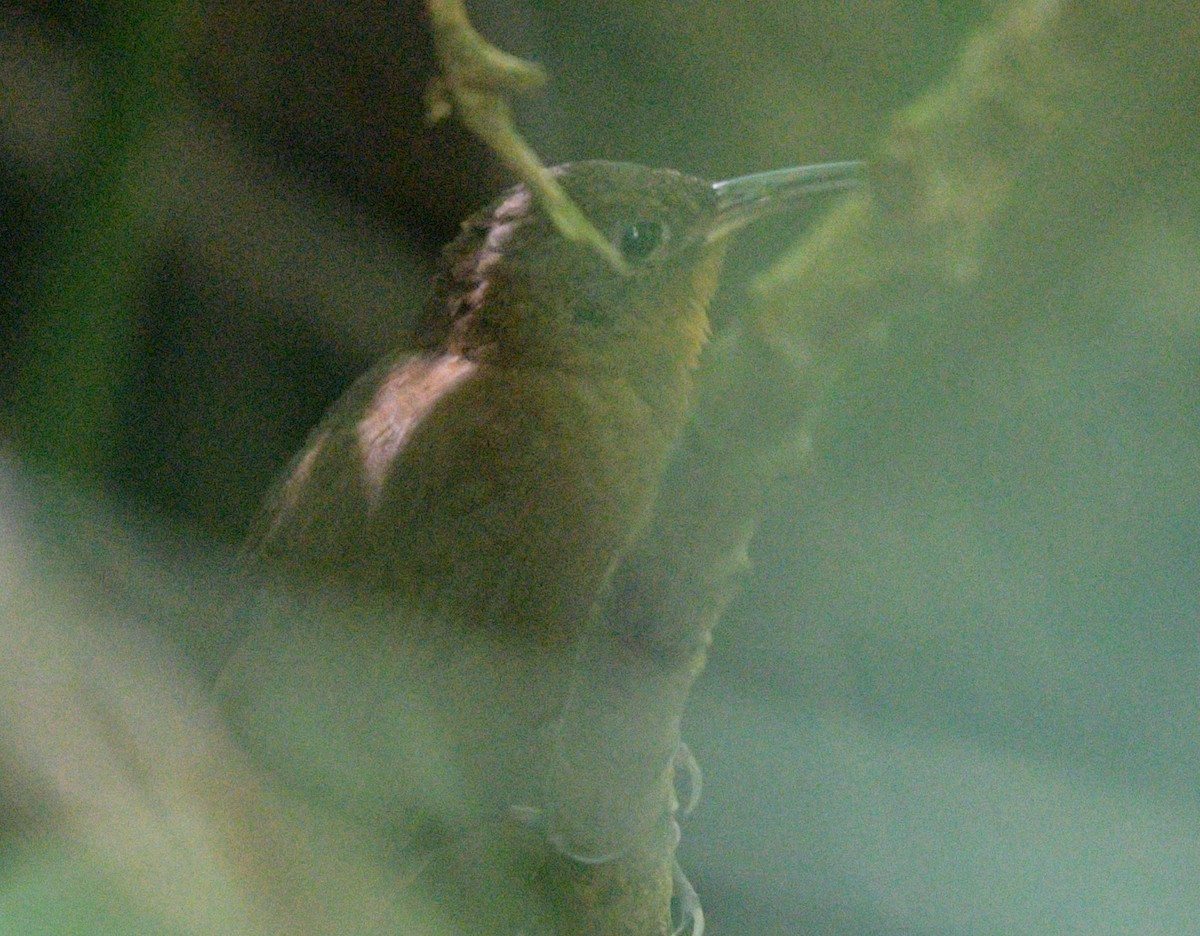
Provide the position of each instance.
(468, 497)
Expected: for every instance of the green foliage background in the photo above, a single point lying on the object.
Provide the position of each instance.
(959, 693)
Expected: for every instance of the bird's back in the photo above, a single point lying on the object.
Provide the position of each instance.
(459, 521)
(498, 499)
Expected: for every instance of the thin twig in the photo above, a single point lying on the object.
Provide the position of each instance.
(475, 81)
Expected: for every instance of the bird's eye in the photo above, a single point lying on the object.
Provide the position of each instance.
(637, 240)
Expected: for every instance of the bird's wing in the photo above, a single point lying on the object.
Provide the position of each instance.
(315, 515)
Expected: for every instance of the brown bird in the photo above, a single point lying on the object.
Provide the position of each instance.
(467, 498)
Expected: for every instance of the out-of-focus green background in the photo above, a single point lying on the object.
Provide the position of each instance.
(960, 693)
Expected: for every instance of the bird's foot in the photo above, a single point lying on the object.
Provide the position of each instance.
(687, 915)
(537, 819)
(687, 768)
(686, 772)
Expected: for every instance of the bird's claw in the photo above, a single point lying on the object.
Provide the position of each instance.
(687, 766)
(687, 916)
(535, 818)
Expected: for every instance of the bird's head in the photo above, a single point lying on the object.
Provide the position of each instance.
(513, 292)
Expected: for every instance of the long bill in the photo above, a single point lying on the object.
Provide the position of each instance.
(748, 197)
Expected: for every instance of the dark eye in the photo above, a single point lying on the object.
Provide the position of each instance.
(637, 240)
